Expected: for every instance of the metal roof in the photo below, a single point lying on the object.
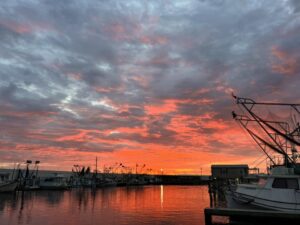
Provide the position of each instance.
(230, 166)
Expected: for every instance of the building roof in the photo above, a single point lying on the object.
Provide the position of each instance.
(230, 166)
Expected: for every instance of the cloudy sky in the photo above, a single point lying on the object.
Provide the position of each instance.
(144, 82)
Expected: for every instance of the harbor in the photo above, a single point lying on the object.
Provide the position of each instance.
(139, 112)
(116, 205)
(234, 194)
(30, 178)
(101, 197)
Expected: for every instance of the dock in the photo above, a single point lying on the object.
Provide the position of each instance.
(247, 216)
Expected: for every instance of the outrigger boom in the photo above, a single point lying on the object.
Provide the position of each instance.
(281, 136)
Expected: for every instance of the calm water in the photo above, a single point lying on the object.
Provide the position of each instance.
(121, 205)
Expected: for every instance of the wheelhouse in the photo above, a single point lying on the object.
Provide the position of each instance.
(285, 183)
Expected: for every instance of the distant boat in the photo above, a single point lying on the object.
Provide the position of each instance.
(30, 184)
(54, 182)
(106, 182)
(29, 178)
(9, 186)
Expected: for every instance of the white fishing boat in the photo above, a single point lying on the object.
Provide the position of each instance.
(278, 190)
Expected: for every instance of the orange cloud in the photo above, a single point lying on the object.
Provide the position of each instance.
(171, 105)
(76, 137)
(173, 159)
(141, 80)
(165, 106)
(284, 63)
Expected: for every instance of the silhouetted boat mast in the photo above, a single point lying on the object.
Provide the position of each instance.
(281, 137)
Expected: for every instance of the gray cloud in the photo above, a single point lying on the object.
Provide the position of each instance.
(97, 65)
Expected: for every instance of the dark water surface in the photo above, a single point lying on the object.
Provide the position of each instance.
(120, 205)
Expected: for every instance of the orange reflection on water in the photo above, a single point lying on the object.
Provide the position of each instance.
(120, 205)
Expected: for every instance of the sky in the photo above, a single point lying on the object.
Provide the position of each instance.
(140, 82)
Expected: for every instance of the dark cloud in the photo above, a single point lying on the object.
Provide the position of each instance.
(295, 5)
(98, 65)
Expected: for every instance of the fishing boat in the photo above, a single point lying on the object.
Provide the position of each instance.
(276, 191)
(279, 189)
(54, 182)
(9, 186)
(6, 184)
(105, 182)
(29, 178)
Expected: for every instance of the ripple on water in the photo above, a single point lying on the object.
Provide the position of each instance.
(120, 205)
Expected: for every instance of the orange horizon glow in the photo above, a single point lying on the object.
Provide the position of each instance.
(188, 151)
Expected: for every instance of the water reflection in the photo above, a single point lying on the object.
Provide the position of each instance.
(161, 196)
(120, 205)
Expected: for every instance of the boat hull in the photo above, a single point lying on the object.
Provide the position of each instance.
(53, 187)
(244, 201)
(9, 187)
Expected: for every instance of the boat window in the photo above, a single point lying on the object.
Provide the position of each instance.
(292, 183)
(285, 183)
(49, 179)
(279, 183)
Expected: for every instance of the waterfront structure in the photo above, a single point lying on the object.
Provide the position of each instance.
(229, 171)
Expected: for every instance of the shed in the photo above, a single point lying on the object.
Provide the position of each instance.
(229, 171)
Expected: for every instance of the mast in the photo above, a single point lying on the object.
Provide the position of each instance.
(96, 165)
(280, 139)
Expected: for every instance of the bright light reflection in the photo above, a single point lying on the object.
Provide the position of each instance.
(161, 196)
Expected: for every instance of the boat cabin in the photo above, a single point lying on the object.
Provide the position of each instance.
(285, 183)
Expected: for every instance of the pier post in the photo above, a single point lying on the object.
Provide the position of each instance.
(208, 217)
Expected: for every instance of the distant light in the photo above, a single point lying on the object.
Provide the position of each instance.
(162, 171)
